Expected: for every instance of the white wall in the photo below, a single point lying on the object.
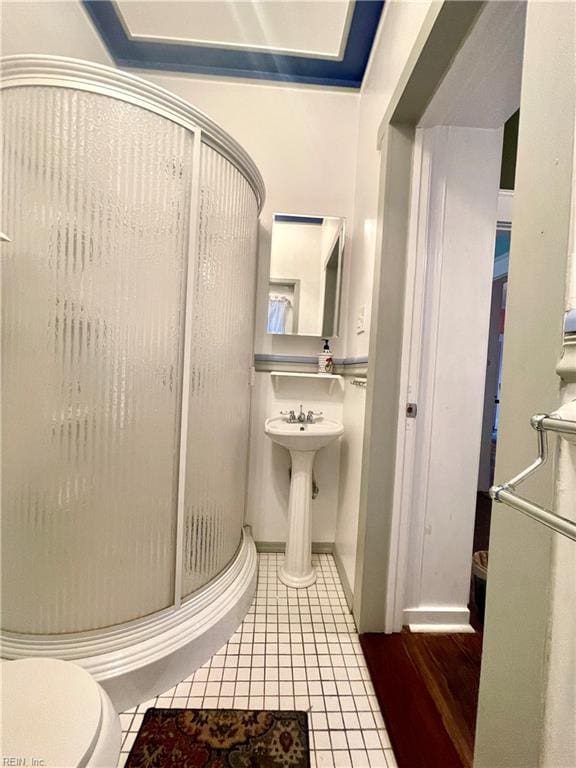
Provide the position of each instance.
(399, 27)
(55, 28)
(560, 706)
(522, 720)
(559, 739)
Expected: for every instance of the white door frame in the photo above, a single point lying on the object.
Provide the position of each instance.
(406, 431)
(423, 505)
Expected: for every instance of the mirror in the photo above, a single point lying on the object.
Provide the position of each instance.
(305, 275)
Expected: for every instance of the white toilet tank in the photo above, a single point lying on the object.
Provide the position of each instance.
(55, 715)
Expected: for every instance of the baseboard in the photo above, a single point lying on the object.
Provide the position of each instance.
(437, 619)
(318, 547)
(343, 579)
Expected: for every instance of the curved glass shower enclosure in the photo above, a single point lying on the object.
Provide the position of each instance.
(127, 329)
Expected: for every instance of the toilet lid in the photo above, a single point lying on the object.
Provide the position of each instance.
(51, 712)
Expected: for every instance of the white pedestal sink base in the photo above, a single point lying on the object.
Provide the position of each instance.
(297, 570)
(302, 439)
(296, 583)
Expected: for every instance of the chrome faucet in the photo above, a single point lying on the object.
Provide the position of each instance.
(302, 417)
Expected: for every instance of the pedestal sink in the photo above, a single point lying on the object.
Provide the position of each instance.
(302, 440)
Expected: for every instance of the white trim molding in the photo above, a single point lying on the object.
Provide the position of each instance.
(505, 206)
(62, 72)
(140, 659)
(430, 618)
(566, 367)
(348, 594)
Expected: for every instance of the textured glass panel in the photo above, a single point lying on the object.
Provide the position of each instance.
(222, 353)
(96, 200)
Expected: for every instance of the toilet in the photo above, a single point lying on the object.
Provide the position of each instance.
(54, 714)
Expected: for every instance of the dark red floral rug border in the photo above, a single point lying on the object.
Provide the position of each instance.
(221, 738)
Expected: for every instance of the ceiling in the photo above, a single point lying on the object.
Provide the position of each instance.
(318, 42)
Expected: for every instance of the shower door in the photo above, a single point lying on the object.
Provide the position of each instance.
(221, 338)
(97, 205)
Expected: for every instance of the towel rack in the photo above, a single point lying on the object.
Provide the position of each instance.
(505, 493)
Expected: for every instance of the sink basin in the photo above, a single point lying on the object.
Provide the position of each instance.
(302, 437)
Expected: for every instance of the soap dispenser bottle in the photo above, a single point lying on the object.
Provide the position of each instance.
(325, 360)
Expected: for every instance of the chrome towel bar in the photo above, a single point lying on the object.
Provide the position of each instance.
(505, 494)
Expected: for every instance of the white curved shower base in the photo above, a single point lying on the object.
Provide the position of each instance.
(141, 659)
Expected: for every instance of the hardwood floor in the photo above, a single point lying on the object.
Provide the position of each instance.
(427, 687)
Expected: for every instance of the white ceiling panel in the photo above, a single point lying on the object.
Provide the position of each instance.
(323, 43)
(294, 27)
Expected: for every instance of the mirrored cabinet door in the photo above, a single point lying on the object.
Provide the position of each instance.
(305, 280)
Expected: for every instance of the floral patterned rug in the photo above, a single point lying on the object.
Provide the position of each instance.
(221, 738)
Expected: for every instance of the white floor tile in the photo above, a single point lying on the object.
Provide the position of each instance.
(372, 740)
(296, 649)
(377, 758)
(126, 720)
(324, 758)
(338, 739)
(322, 740)
(390, 758)
(359, 758)
(357, 741)
(342, 759)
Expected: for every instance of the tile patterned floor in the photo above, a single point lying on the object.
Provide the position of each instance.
(296, 649)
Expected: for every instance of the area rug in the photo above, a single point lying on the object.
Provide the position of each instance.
(221, 738)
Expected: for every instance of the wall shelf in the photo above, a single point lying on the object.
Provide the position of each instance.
(327, 378)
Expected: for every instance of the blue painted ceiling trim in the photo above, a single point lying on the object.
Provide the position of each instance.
(288, 218)
(182, 57)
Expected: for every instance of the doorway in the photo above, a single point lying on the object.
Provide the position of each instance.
(456, 170)
(493, 381)
(514, 724)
